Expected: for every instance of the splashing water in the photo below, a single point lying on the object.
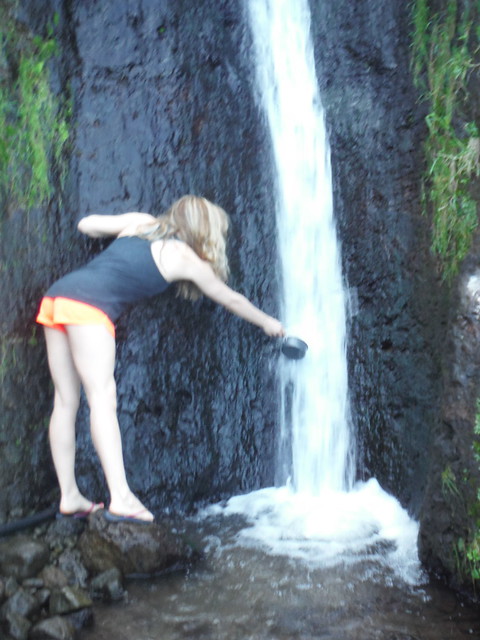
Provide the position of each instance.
(319, 515)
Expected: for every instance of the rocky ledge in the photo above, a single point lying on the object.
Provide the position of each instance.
(50, 578)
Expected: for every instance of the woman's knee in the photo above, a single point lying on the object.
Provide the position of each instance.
(102, 396)
(67, 400)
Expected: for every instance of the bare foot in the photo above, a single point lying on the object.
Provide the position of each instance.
(130, 506)
(78, 504)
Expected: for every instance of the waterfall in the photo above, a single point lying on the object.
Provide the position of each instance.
(315, 390)
(318, 514)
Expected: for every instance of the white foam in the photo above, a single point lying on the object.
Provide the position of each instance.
(333, 528)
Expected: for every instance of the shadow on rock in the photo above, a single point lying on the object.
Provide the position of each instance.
(133, 549)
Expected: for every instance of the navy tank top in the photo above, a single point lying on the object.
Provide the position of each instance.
(123, 274)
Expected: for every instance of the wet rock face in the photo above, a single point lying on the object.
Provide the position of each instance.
(163, 105)
(397, 334)
(132, 549)
(451, 508)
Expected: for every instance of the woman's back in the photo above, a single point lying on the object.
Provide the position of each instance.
(119, 276)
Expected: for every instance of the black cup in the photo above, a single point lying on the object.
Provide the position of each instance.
(294, 348)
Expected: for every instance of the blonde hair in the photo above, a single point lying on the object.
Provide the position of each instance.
(200, 224)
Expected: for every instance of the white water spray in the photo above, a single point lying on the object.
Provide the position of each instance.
(319, 516)
(316, 388)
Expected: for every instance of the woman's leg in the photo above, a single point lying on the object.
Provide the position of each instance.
(93, 351)
(62, 421)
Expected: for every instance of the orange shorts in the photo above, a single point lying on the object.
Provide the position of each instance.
(57, 312)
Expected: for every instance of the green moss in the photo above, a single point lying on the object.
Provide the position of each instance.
(33, 120)
(467, 548)
(441, 62)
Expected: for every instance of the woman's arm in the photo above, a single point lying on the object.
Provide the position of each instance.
(241, 306)
(99, 226)
(186, 265)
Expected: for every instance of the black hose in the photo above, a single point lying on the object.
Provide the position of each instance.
(29, 521)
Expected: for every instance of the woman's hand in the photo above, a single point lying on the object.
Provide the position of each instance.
(273, 328)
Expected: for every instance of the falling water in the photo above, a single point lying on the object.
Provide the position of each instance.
(315, 389)
(317, 514)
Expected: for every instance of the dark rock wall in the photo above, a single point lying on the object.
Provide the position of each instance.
(165, 108)
(451, 509)
(376, 131)
(450, 516)
(163, 105)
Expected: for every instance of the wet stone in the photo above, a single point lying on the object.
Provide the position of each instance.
(32, 583)
(22, 557)
(81, 619)
(17, 626)
(133, 549)
(70, 563)
(53, 577)
(21, 603)
(11, 586)
(108, 586)
(42, 596)
(55, 628)
(65, 527)
(67, 600)
(62, 534)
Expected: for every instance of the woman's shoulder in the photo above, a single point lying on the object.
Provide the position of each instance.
(174, 258)
(174, 245)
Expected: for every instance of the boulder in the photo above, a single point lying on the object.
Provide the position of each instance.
(67, 600)
(53, 577)
(133, 549)
(107, 586)
(33, 583)
(81, 619)
(22, 557)
(21, 603)
(56, 628)
(11, 585)
(70, 563)
(17, 626)
(42, 596)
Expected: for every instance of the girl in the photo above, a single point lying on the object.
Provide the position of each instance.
(185, 246)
